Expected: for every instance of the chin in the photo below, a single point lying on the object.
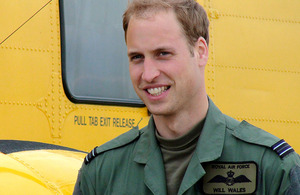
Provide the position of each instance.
(158, 111)
(154, 111)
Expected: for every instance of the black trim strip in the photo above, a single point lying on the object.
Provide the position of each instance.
(11, 146)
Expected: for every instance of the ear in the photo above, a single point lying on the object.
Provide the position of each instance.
(202, 51)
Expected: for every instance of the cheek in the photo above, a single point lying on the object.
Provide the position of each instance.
(188, 74)
(135, 73)
(181, 71)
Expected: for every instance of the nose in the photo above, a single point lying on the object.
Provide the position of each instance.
(150, 70)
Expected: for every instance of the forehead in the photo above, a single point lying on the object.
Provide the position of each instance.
(163, 22)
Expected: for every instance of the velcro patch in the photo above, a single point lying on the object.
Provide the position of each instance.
(282, 148)
(230, 178)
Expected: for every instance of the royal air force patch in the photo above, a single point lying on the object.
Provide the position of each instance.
(230, 178)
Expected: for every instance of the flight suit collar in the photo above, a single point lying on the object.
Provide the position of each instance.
(148, 153)
(209, 147)
(211, 141)
(147, 143)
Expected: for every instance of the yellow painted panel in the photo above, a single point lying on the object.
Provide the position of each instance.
(39, 172)
(254, 66)
(256, 43)
(33, 90)
(279, 9)
(258, 93)
(26, 74)
(24, 185)
(35, 33)
(15, 173)
(57, 168)
(252, 73)
(86, 127)
(23, 122)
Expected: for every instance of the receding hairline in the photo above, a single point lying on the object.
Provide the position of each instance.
(146, 13)
(149, 13)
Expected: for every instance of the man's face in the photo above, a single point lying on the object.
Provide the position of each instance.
(164, 73)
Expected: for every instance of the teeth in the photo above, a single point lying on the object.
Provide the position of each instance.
(157, 91)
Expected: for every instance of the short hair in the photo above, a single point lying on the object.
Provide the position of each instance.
(191, 16)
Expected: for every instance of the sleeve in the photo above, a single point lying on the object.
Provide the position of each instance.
(76, 187)
(84, 184)
(290, 173)
(282, 175)
(294, 188)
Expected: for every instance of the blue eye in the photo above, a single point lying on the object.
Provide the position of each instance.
(136, 57)
(163, 53)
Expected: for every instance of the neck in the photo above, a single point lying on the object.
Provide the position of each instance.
(173, 126)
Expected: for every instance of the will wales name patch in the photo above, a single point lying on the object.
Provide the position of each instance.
(230, 178)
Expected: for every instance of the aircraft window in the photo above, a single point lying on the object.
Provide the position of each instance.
(94, 55)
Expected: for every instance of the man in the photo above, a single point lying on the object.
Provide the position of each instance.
(189, 146)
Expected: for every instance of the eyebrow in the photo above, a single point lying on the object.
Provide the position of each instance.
(159, 49)
(133, 53)
(164, 49)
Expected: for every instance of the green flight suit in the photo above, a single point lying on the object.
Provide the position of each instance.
(132, 164)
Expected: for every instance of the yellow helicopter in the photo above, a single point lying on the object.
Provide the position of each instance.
(64, 81)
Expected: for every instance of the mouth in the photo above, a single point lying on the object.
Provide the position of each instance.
(157, 90)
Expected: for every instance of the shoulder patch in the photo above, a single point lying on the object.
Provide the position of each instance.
(282, 148)
(117, 142)
(255, 135)
(91, 156)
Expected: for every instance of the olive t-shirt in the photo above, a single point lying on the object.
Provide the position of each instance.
(177, 154)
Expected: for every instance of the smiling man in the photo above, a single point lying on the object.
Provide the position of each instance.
(189, 146)
(166, 72)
